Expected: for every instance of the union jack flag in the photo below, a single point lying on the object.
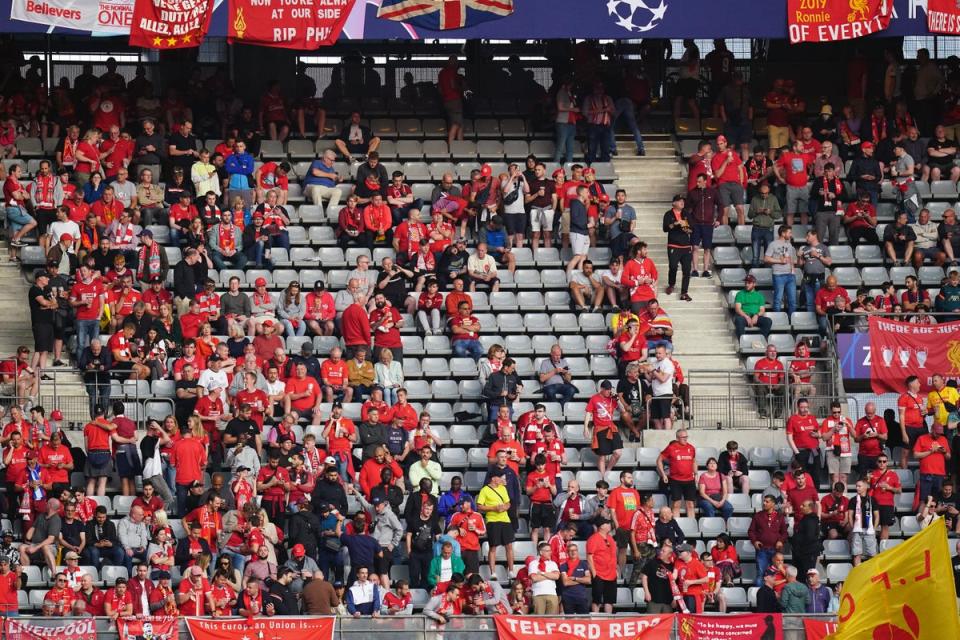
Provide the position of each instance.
(440, 15)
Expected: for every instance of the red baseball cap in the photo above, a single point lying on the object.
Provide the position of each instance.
(721, 139)
(66, 237)
(260, 282)
(486, 171)
(866, 145)
(298, 551)
(558, 172)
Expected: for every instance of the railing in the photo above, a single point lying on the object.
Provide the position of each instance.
(76, 407)
(418, 627)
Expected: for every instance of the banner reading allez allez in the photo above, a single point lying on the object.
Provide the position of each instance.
(656, 627)
(748, 626)
(275, 628)
(901, 349)
(830, 20)
(170, 24)
(307, 24)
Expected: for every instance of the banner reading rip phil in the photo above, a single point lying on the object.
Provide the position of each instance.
(95, 16)
(275, 628)
(657, 627)
(831, 20)
(307, 24)
(170, 24)
(152, 628)
(749, 626)
(46, 628)
(901, 349)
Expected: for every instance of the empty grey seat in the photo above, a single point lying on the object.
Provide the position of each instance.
(847, 276)
(874, 276)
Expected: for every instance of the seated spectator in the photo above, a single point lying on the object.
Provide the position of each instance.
(713, 489)
(555, 378)
(226, 244)
(371, 179)
(586, 287)
(927, 245)
(272, 176)
(482, 269)
(498, 246)
(898, 240)
(400, 199)
(355, 139)
(377, 222)
(768, 375)
(361, 376)
(465, 334)
(275, 220)
(321, 181)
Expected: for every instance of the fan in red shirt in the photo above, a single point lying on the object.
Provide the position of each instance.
(602, 560)
(302, 393)
(768, 373)
(682, 458)
(793, 168)
(9, 584)
(884, 487)
(606, 441)
(57, 461)
(514, 448)
(698, 165)
(355, 324)
(320, 313)
(803, 437)
(189, 457)
(932, 450)
(273, 113)
(118, 602)
(272, 175)
(730, 175)
(334, 376)
(195, 596)
(377, 221)
(386, 323)
(805, 490)
(552, 447)
(640, 275)
(273, 482)
(107, 208)
(870, 433)
(407, 236)
(340, 433)
(912, 409)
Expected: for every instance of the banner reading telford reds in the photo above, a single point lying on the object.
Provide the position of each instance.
(170, 24)
(901, 349)
(831, 20)
(656, 627)
(302, 24)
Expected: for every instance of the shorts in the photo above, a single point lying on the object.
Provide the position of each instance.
(622, 536)
(863, 544)
(660, 407)
(18, 218)
(43, 336)
(515, 223)
(541, 219)
(702, 236)
(687, 88)
(839, 464)
(731, 193)
(797, 198)
(99, 464)
(37, 558)
(887, 515)
(606, 446)
(565, 222)
(913, 434)
(683, 490)
(122, 367)
(499, 534)
(604, 591)
(929, 253)
(543, 514)
(580, 244)
(356, 147)
(128, 461)
(738, 134)
(454, 110)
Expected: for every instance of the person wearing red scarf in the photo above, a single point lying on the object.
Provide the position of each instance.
(377, 221)
(407, 237)
(350, 227)
(226, 244)
(827, 196)
(151, 259)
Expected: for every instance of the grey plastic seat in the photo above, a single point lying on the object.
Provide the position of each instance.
(437, 345)
(804, 321)
(732, 278)
(503, 301)
(841, 254)
(874, 276)
(726, 257)
(530, 300)
(548, 257)
(847, 276)
(463, 149)
(462, 368)
(868, 254)
(899, 274)
(569, 344)
(445, 390)
(557, 300)
(435, 367)
(534, 323)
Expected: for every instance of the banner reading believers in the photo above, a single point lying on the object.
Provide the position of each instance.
(656, 627)
(152, 628)
(748, 626)
(831, 20)
(95, 16)
(46, 628)
(306, 24)
(901, 349)
(170, 24)
(275, 628)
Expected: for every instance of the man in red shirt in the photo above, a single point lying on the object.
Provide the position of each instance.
(731, 176)
(768, 376)
(682, 458)
(602, 560)
(801, 493)
(87, 299)
(189, 457)
(932, 450)
(826, 298)
(334, 376)
(386, 323)
(912, 408)
(9, 584)
(355, 325)
(884, 486)
(691, 577)
(107, 209)
(793, 168)
(541, 488)
(451, 85)
(341, 434)
(195, 596)
(699, 164)
(273, 482)
(58, 462)
(471, 526)
(99, 459)
(803, 437)
(302, 393)
(640, 277)
(870, 433)
(623, 502)
(605, 437)
(513, 448)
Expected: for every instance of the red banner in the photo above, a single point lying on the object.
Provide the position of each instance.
(901, 349)
(749, 626)
(818, 629)
(48, 628)
(275, 628)
(170, 24)
(943, 16)
(152, 628)
(657, 627)
(305, 24)
(831, 20)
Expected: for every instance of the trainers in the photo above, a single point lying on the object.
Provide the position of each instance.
(669, 290)
(59, 363)
(706, 274)
(694, 274)
(686, 297)
(18, 243)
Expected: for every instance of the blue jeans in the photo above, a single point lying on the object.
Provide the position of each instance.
(97, 556)
(236, 261)
(764, 556)
(785, 283)
(290, 330)
(810, 288)
(566, 139)
(390, 396)
(468, 348)
(710, 511)
(255, 253)
(624, 107)
(87, 330)
(562, 393)
(760, 239)
(282, 240)
(183, 491)
(598, 143)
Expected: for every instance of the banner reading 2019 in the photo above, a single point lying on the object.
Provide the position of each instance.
(830, 20)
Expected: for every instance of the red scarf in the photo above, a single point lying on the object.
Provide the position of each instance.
(757, 170)
(226, 237)
(271, 218)
(69, 152)
(904, 122)
(542, 565)
(44, 195)
(572, 566)
(838, 189)
(148, 261)
(878, 129)
(123, 234)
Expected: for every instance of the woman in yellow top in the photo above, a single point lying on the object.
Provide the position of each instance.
(942, 403)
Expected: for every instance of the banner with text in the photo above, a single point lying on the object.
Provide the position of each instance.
(151, 628)
(749, 626)
(816, 629)
(830, 20)
(657, 627)
(901, 349)
(943, 16)
(46, 628)
(306, 24)
(170, 24)
(275, 628)
(95, 16)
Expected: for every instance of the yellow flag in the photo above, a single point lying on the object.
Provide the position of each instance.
(905, 593)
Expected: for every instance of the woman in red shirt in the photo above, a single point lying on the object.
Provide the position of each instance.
(99, 459)
(428, 309)
(725, 558)
(87, 157)
(602, 560)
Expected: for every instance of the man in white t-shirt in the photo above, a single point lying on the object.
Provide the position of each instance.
(214, 378)
(661, 380)
(482, 269)
(544, 574)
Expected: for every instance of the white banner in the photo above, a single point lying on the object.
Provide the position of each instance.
(94, 16)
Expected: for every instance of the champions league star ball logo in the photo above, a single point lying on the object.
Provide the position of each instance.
(638, 16)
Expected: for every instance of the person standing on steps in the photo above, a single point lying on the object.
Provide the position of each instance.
(679, 246)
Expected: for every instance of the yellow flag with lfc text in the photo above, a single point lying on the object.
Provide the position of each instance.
(904, 593)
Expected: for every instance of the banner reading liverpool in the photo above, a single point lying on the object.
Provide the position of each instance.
(304, 24)
(96, 16)
(901, 349)
(46, 628)
(831, 20)
(657, 627)
(748, 626)
(905, 592)
(275, 628)
(150, 628)
(170, 24)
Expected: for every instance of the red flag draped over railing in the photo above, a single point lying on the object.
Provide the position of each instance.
(275, 628)
(831, 20)
(170, 24)
(747, 626)
(653, 627)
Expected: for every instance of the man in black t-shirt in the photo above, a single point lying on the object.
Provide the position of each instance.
(949, 233)
(242, 423)
(947, 503)
(631, 391)
(656, 582)
(898, 239)
(395, 278)
(182, 147)
(43, 305)
(941, 152)
(187, 393)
